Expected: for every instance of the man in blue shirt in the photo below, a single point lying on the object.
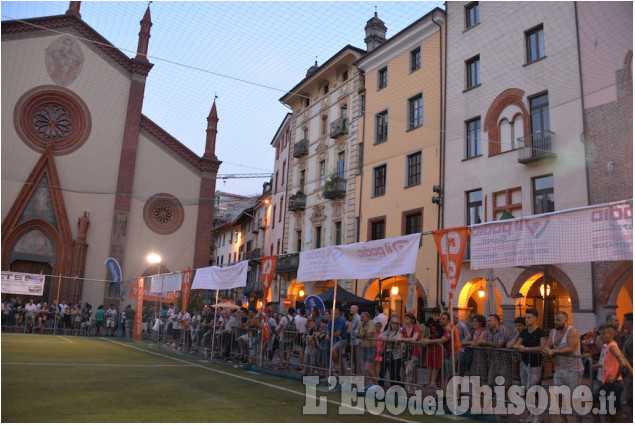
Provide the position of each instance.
(339, 340)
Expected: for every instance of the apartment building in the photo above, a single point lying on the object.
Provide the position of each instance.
(325, 160)
(402, 121)
(513, 144)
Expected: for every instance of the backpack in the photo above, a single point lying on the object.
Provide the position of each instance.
(289, 328)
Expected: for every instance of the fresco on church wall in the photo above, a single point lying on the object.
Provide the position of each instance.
(34, 242)
(40, 205)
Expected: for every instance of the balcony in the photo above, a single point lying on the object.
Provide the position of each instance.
(297, 202)
(301, 148)
(288, 263)
(334, 187)
(338, 127)
(253, 286)
(254, 254)
(263, 222)
(536, 147)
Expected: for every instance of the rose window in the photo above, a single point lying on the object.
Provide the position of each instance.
(163, 213)
(52, 122)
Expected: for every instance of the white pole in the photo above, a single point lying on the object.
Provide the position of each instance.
(447, 241)
(332, 329)
(214, 325)
(57, 307)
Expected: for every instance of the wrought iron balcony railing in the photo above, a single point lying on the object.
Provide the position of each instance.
(536, 147)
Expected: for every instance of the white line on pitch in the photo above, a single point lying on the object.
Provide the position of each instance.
(94, 364)
(65, 339)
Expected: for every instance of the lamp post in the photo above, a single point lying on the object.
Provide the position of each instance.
(156, 259)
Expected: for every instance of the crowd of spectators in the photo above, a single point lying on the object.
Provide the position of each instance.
(383, 348)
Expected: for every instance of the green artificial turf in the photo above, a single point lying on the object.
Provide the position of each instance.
(48, 378)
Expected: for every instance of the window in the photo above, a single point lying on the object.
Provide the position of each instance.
(284, 166)
(271, 250)
(281, 209)
(382, 78)
(415, 111)
(535, 39)
(338, 232)
(471, 15)
(413, 167)
(345, 76)
(539, 107)
(298, 240)
(278, 247)
(318, 237)
(322, 172)
(473, 71)
(276, 184)
(326, 89)
(273, 218)
(473, 137)
(363, 104)
(305, 133)
(413, 223)
(231, 236)
(474, 207)
(302, 179)
(325, 124)
(474, 213)
(340, 165)
(415, 59)
(306, 102)
(377, 229)
(381, 127)
(379, 180)
(543, 195)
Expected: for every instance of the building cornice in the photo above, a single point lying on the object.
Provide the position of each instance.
(401, 42)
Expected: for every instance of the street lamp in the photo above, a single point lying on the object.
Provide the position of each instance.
(156, 259)
(394, 290)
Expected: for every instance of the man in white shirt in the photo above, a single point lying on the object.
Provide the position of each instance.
(356, 347)
(111, 320)
(300, 324)
(380, 317)
(31, 311)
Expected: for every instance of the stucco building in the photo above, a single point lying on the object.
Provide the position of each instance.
(401, 142)
(515, 141)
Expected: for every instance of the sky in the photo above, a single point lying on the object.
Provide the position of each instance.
(244, 54)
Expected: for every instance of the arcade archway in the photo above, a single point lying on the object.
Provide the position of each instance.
(472, 299)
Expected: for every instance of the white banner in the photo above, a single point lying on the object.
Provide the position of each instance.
(215, 277)
(596, 233)
(22, 283)
(362, 260)
(169, 283)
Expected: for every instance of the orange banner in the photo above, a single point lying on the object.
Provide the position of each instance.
(266, 275)
(186, 283)
(168, 297)
(138, 320)
(451, 245)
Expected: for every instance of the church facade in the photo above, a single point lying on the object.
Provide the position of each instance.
(85, 175)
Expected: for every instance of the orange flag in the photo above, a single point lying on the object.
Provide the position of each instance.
(138, 320)
(266, 275)
(186, 280)
(451, 245)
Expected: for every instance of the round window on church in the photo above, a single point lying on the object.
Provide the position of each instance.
(163, 213)
(52, 115)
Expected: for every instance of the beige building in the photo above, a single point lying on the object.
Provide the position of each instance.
(321, 192)
(85, 175)
(401, 121)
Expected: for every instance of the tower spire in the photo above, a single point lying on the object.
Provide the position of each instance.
(73, 8)
(212, 130)
(144, 36)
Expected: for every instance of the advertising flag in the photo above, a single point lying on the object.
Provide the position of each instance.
(185, 289)
(266, 275)
(451, 245)
(114, 269)
(214, 277)
(138, 320)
